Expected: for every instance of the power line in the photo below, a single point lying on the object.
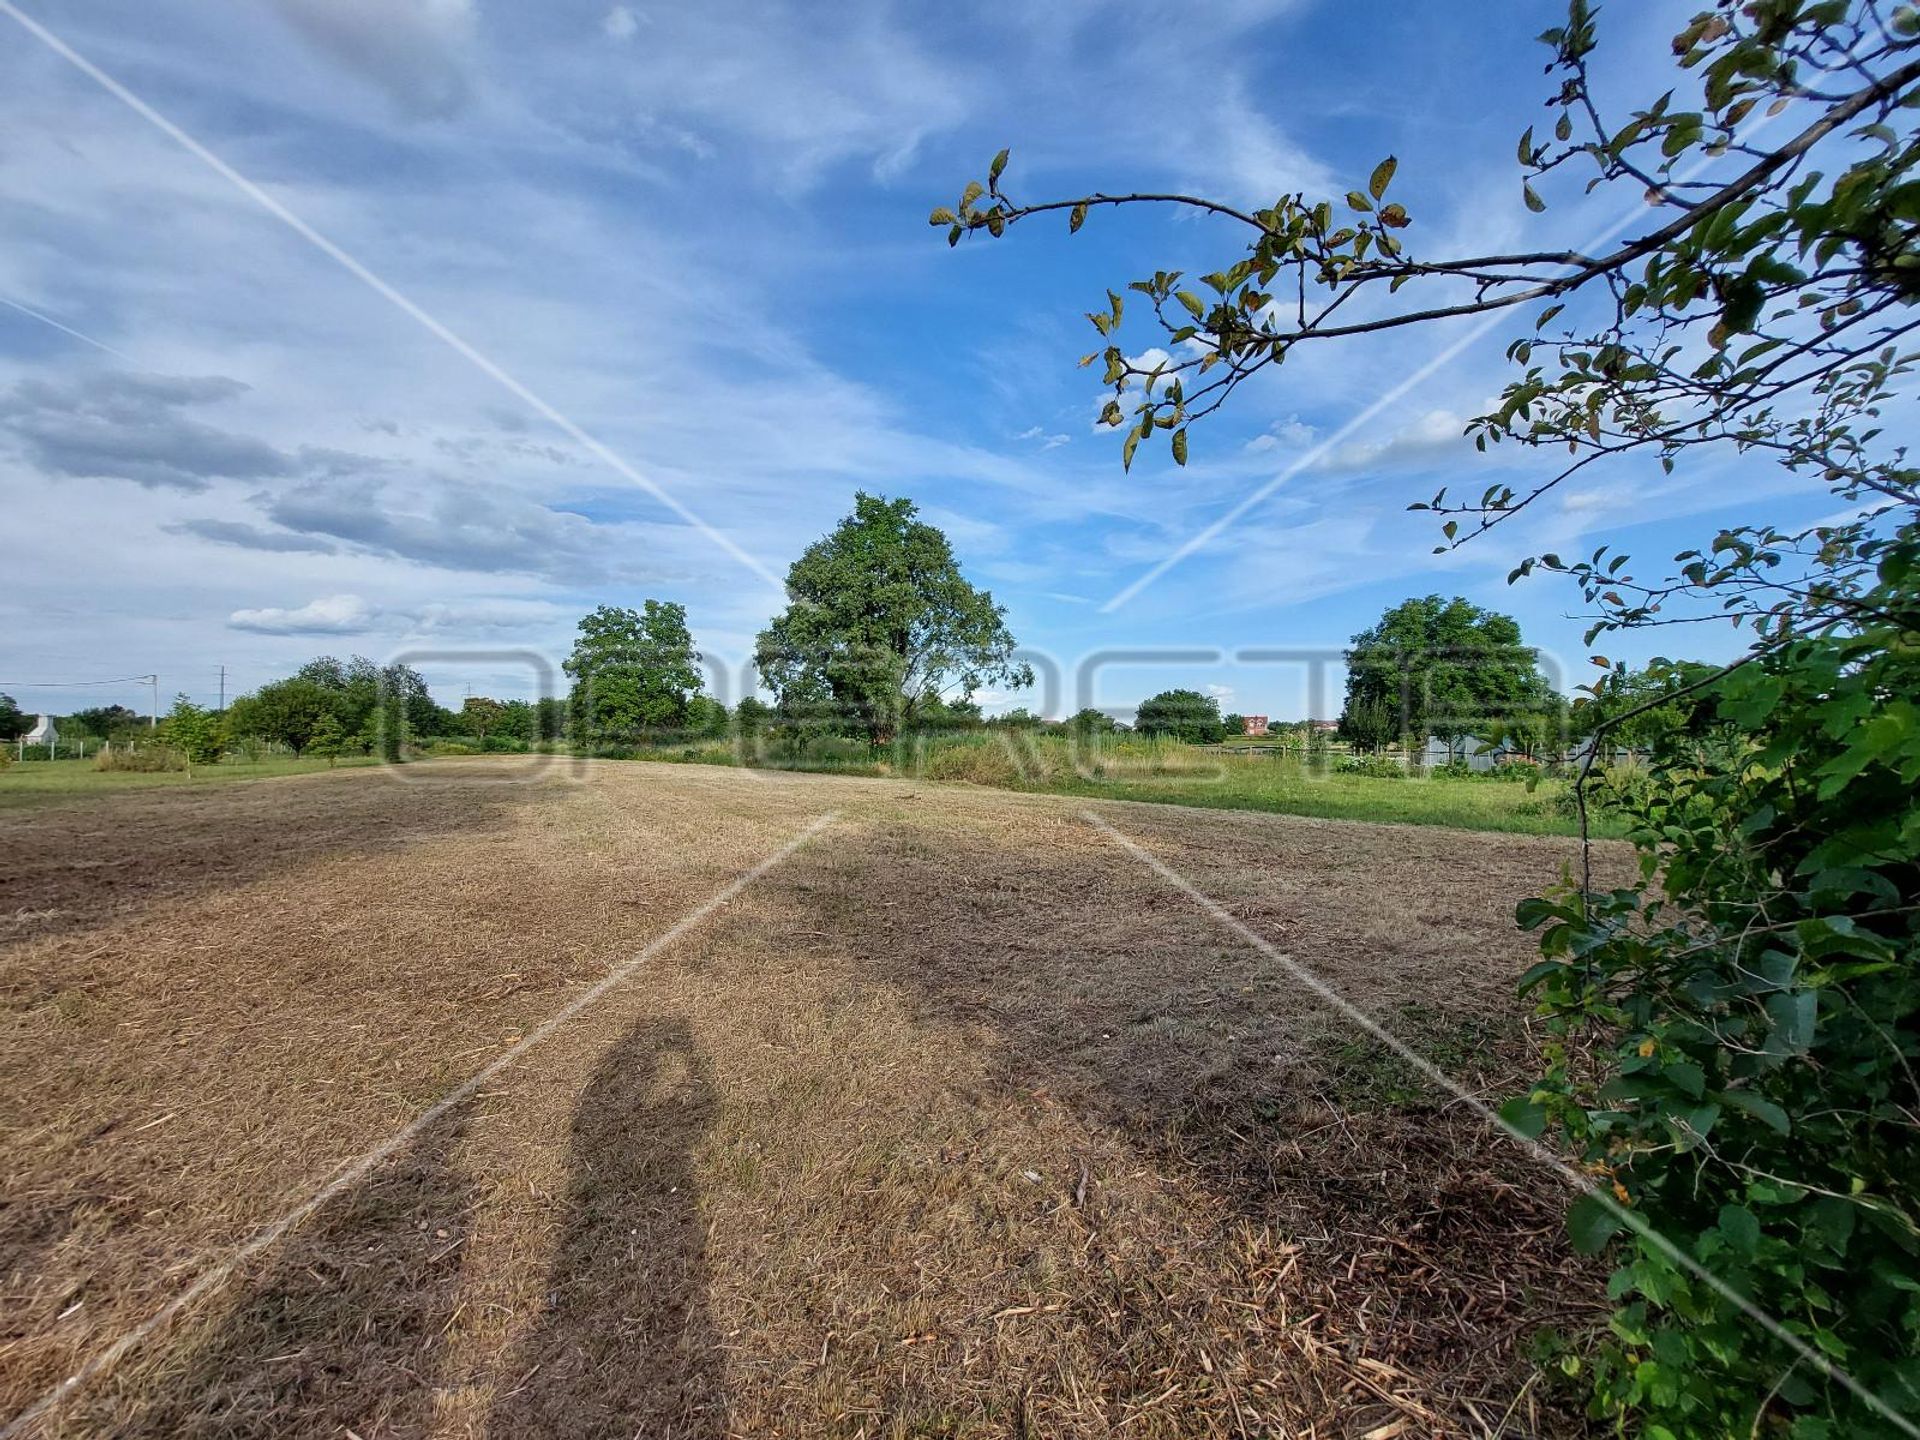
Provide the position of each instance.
(75, 684)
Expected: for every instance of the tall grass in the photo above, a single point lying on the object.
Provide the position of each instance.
(1131, 767)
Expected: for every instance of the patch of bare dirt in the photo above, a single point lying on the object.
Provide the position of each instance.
(960, 1122)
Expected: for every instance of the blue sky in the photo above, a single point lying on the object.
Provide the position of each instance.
(698, 233)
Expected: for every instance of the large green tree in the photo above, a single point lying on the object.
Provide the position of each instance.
(287, 712)
(1445, 667)
(1180, 715)
(1737, 1036)
(883, 625)
(634, 673)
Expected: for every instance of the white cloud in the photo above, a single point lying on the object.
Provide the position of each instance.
(620, 24)
(1289, 434)
(328, 615)
(1436, 435)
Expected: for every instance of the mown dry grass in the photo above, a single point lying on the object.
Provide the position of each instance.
(958, 1123)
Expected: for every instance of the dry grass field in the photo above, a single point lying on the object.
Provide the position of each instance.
(958, 1121)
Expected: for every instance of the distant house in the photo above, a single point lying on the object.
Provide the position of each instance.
(1253, 724)
(44, 732)
(1325, 727)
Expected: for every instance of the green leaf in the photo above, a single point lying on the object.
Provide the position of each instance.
(1687, 1078)
(1180, 446)
(1741, 1227)
(1534, 202)
(1592, 1221)
(1760, 1108)
(941, 216)
(1359, 202)
(1195, 306)
(1524, 1117)
(1539, 971)
(993, 170)
(1525, 148)
(1792, 1014)
(1382, 177)
(1077, 218)
(972, 193)
(1126, 451)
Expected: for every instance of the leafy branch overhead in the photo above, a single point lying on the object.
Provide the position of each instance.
(1762, 303)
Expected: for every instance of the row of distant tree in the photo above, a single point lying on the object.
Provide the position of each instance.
(884, 636)
(1448, 668)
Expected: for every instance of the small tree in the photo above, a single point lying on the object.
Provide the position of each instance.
(480, 715)
(751, 717)
(329, 739)
(1091, 722)
(195, 732)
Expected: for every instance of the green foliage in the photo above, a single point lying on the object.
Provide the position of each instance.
(634, 673)
(328, 740)
(140, 759)
(13, 721)
(103, 722)
(479, 715)
(881, 626)
(1434, 666)
(1091, 722)
(1641, 708)
(195, 732)
(1377, 766)
(751, 718)
(1018, 718)
(382, 703)
(706, 718)
(1180, 715)
(287, 712)
(1758, 997)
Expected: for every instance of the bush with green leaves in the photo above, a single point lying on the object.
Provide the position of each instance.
(1756, 1004)
(1379, 767)
(140, 759)
(194, 731)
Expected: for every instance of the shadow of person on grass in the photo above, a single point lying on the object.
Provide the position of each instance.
(340, 1331)
(625, 1345)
